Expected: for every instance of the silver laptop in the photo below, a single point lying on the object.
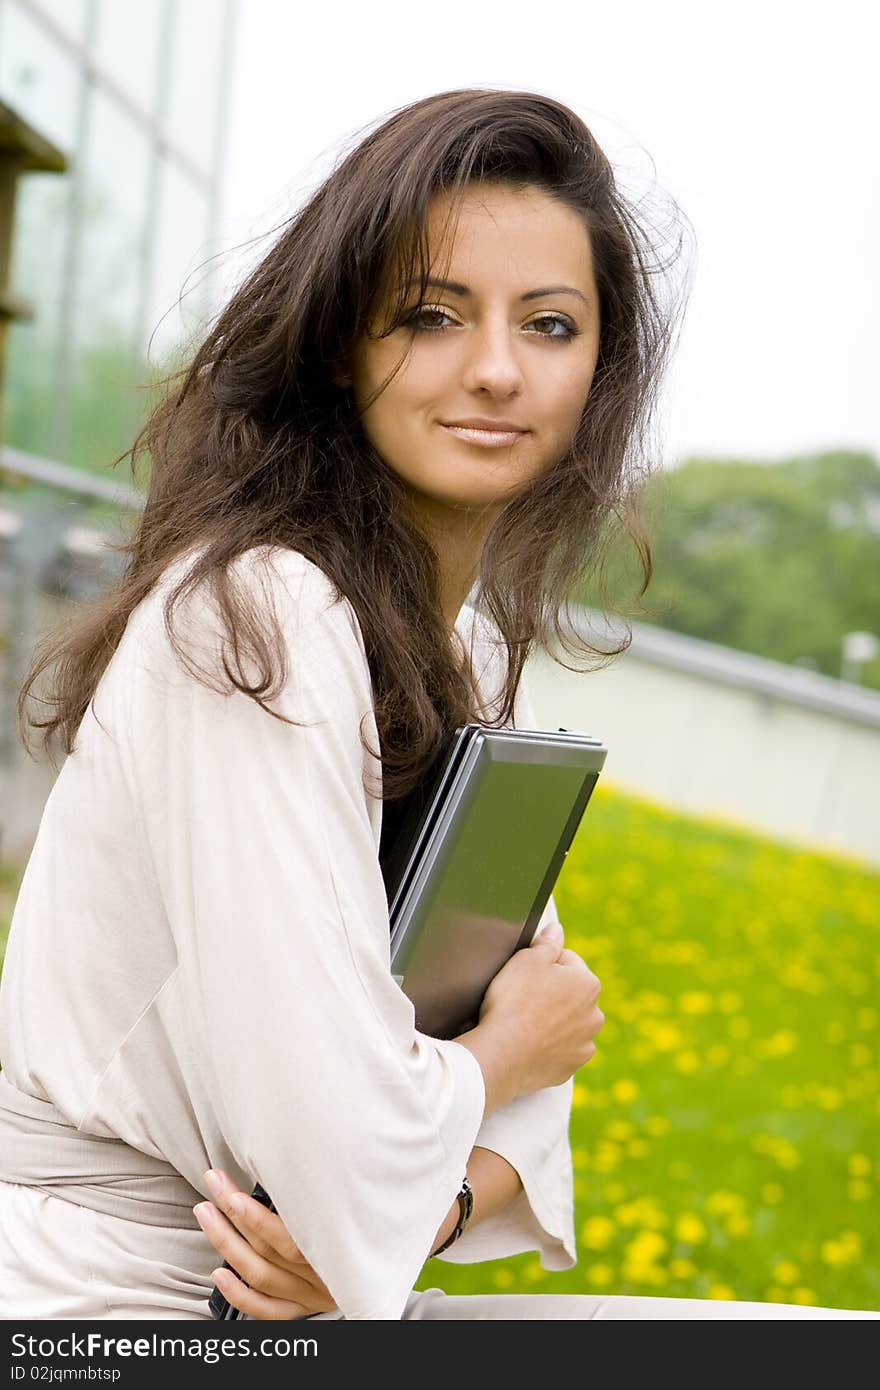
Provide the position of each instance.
(474, 860)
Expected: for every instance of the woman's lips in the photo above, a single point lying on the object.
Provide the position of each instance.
(492, 439)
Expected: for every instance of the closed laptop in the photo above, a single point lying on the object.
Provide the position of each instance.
(471, 860)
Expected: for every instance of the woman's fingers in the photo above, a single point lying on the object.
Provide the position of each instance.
(265, 1275)
(256, 1304)
(261, 1228)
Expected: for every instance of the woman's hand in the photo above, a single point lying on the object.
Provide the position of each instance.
(279, 1283)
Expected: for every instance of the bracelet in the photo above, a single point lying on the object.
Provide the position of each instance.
(465, 1207)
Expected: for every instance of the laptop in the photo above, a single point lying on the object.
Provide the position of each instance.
(470, 859)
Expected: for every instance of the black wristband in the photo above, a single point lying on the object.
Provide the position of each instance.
(465, 1207)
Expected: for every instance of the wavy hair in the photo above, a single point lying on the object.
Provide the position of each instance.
(254, 443)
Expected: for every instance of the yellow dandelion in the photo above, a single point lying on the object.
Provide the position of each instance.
(682, 1269)
(627, 1214)
(779, 1044)
(578, 1096)
(503, 1278)
(802, 1295)
(625, 1090)
(729, 1001)
(776, 1295)
(665, 1036)
(637, 1148)
(645, 1245)
(724, 1203)
(859, 1165)
(600, 1275)
(657, 1125)
(695, 1002)
(860, 1055)
(721, 1291)
(858, 1190)
(718, 1054)
(786, 1272)
(648, 1001)
(830, 1098)
(840, 1252)
(607, 1158)
(597, 1232)
(866, 1019)
(737, 1224)
(772, 1194)
(645, 1273)
(580, 1158)
(739, 1027)
(689, 1228)
(534, 1273)
(687, 1063)
(619, 1129)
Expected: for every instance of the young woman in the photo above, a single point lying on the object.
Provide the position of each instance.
(439, 376)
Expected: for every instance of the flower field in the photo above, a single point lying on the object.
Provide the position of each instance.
(726, 1134)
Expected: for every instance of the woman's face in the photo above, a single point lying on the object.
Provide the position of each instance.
(510, 338)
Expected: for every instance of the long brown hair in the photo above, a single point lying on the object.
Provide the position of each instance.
(254, 443)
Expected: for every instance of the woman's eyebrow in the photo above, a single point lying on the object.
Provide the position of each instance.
(453, 287)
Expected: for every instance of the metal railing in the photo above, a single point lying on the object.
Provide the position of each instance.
(47, 549)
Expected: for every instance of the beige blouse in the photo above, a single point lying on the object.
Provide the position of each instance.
(198, 963)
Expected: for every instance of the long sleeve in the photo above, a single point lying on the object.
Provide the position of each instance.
(532, 1133)
(265, 847)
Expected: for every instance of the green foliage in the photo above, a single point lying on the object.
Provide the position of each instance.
(778, 559)
(726, 1133)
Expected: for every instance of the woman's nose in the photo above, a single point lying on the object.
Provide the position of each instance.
(492, 360)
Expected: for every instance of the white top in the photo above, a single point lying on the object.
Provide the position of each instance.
(199, 958)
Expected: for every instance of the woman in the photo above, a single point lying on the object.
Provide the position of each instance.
(435, 376)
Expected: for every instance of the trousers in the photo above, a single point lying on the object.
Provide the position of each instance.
(59, 1259)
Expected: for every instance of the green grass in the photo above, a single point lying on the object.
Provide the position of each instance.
(726, 1134)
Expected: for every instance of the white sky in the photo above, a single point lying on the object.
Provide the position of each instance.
(762, 120)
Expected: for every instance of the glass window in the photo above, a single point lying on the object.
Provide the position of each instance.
(110, 275)
(38, 78)
(70, 15)
(127, 46)
(194, 89)
(42, 224)
(180, 252)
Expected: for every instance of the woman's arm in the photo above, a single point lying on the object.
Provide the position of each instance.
(277, 1282)
(291, 1036)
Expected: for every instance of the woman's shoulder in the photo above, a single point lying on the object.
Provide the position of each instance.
(287, 579)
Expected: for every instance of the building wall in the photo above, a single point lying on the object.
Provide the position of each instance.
(720, 733)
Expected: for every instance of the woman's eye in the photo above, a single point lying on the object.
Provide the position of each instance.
(569, 331)
(424, 319)
(417, 319)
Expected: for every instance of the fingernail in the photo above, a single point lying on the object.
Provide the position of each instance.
(214, 1182)
(204, 1213)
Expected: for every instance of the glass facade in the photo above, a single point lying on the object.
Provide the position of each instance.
(133, 93)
